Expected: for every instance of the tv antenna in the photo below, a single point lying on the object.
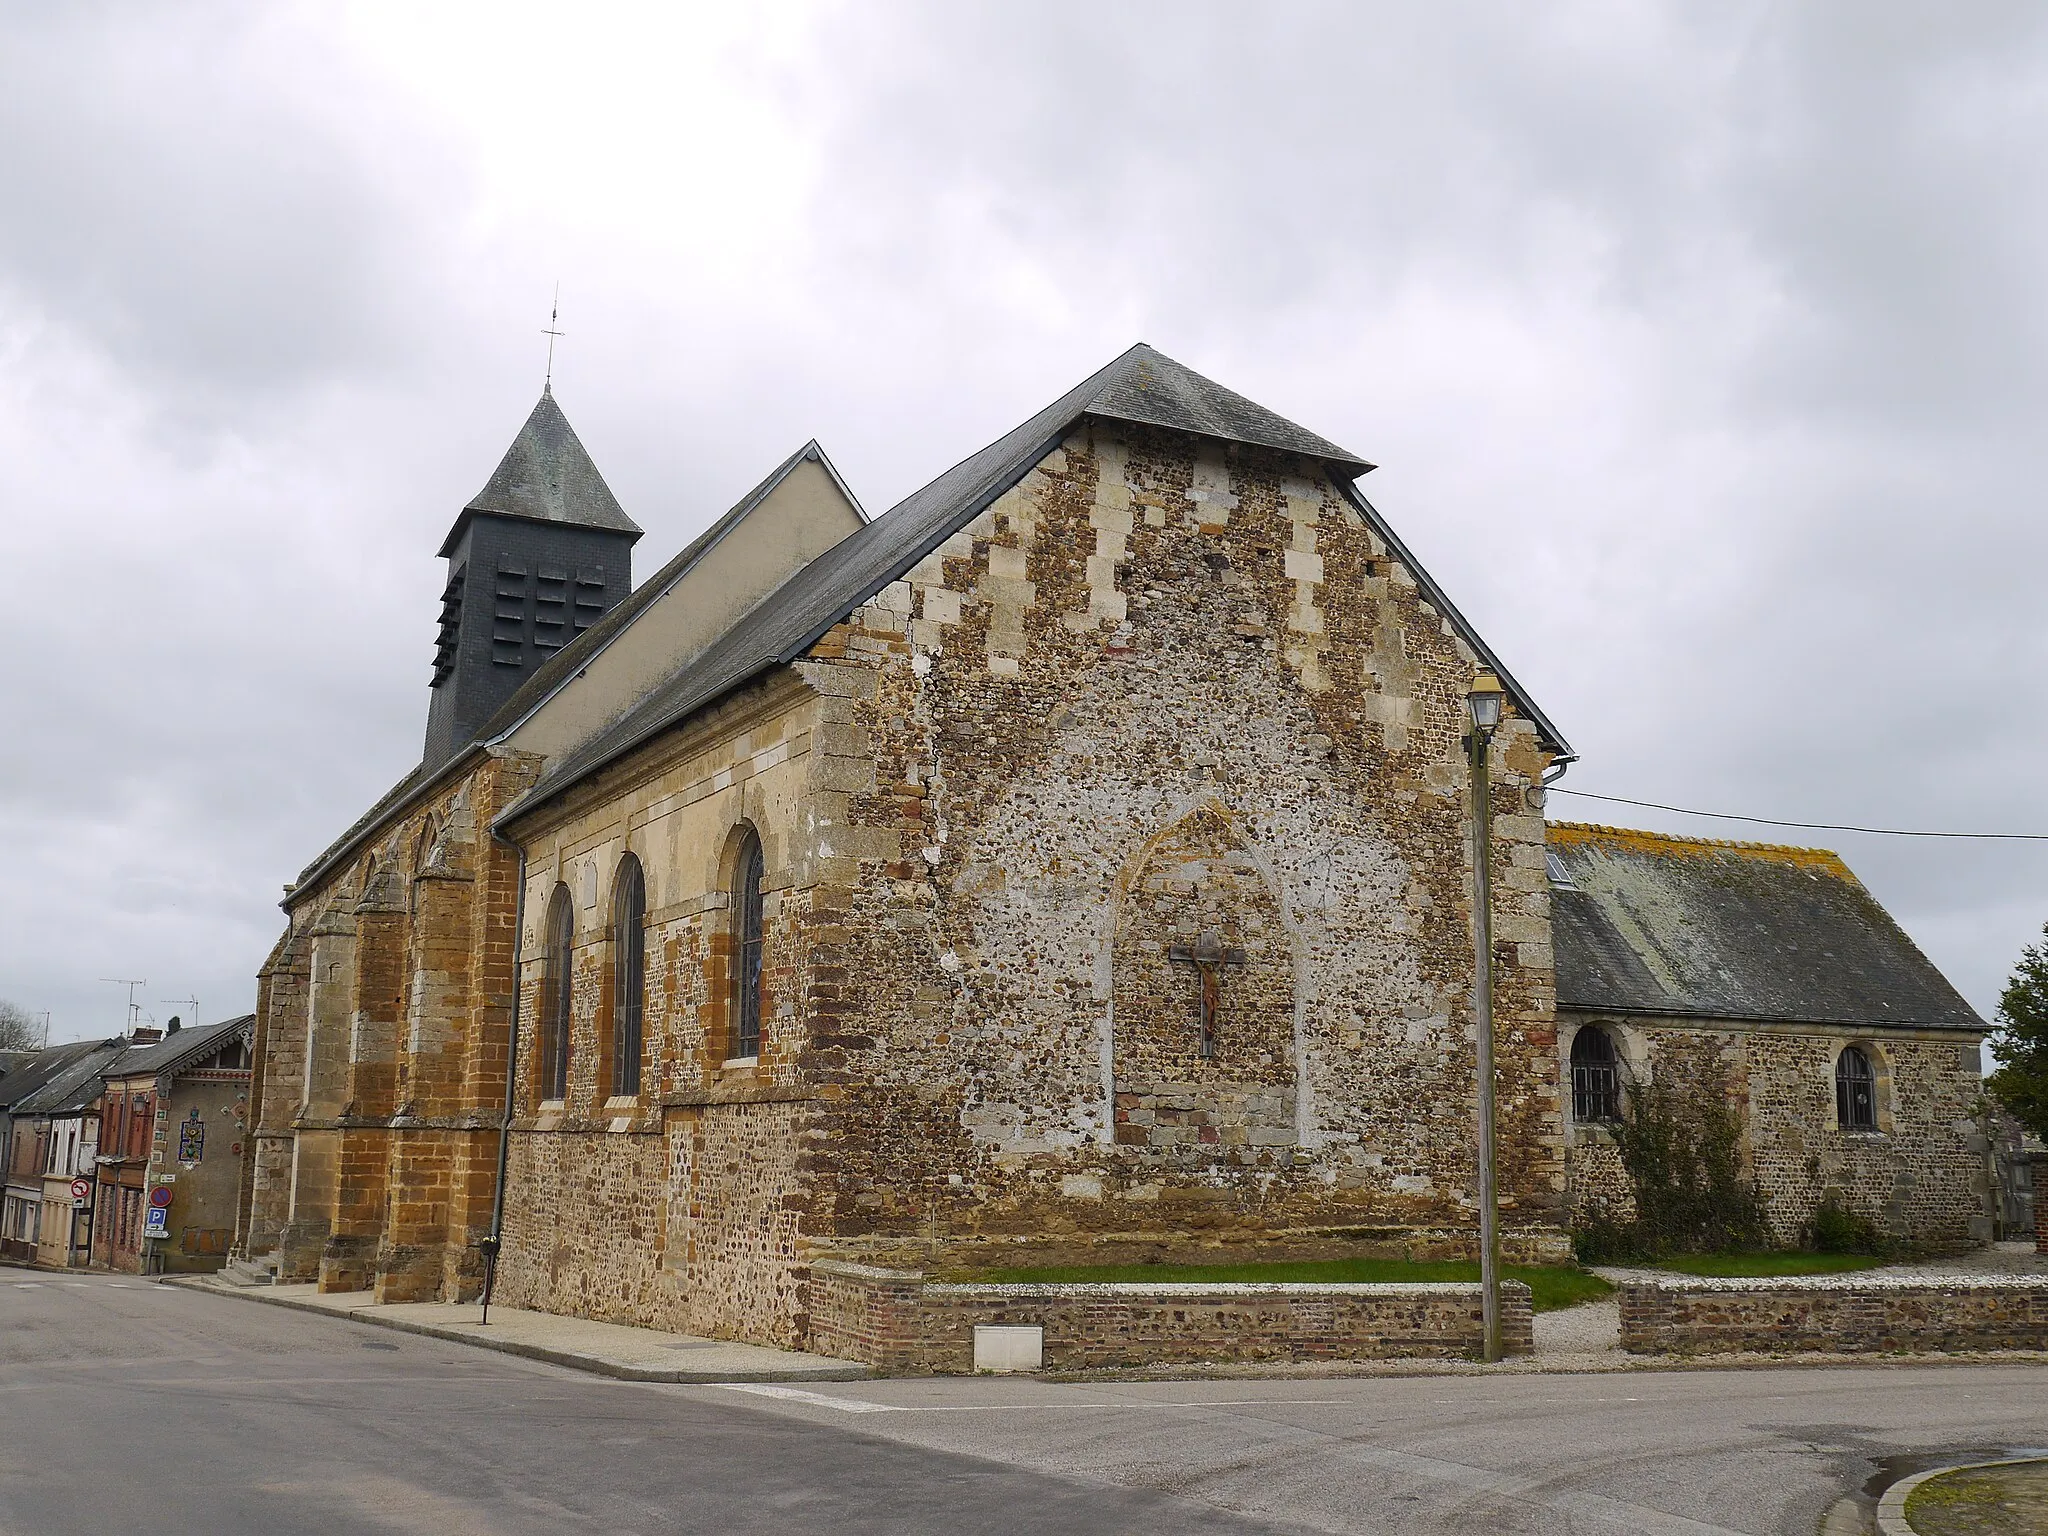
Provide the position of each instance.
(190, 1002)
(549, 331)
(134, 1008)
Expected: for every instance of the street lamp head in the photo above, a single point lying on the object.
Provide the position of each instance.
(1484, 700)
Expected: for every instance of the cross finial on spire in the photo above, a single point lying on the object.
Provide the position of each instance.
(554, 316)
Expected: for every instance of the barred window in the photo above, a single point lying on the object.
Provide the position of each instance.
(746, 1034)
(629, 975)
(1855, 1091)
(553, 1074)
(1596, 1078)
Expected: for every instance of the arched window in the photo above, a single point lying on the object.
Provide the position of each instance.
(629, 975)
(553, 1073)
(1855, 1091)
(1596, 1078)
(746, 924)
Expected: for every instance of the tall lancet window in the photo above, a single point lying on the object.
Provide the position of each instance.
(746, 904)
(553, 1073)
(629, 975)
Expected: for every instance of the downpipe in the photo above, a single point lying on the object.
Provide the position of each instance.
(493, 1245)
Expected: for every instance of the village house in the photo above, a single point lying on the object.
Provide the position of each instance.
(67, 1109)
(174, 1118)
(25, 1140)
(1073, 862)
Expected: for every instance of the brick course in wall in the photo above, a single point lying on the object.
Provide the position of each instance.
(897, 1320)
(1834, 1314)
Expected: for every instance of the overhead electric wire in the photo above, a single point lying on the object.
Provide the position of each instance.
(1807, 826)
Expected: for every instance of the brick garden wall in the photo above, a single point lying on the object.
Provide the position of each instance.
(897, 1321)
(1834, 1314)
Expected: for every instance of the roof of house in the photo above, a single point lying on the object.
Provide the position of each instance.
(1142, 385)
(558, 669)
(1652, 924)
(77, 1086)
(39, 1067)
(546, 476)
(177, 1051)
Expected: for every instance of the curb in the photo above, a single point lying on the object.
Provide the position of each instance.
(1891, 1509)
(594, 1364)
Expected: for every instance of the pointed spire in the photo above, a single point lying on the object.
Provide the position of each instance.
(547, 476)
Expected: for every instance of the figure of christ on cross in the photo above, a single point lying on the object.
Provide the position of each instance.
(1208, 956)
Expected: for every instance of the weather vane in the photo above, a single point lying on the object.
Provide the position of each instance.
(554, 318)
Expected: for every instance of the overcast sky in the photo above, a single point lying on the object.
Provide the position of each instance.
(1702, 349)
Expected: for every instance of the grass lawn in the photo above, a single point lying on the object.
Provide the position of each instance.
(1742, 1266)
(1551, 1286)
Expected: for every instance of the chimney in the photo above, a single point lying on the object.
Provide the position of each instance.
(145, 1034)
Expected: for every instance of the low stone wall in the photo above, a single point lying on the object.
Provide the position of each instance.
(897, 1320)
(1835, 1314)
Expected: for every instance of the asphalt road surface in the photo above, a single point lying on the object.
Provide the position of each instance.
(130, 1406)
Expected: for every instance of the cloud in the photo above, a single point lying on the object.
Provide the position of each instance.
(1700, 349)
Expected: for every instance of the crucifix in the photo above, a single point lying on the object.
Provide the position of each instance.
(1208, 956)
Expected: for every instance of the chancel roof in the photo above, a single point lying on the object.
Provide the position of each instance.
(1649, 924)
(546, 476)
(1143, 385)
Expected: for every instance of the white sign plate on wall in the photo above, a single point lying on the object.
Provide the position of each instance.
(1008, 1347)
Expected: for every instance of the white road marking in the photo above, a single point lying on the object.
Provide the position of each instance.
(816, 1399)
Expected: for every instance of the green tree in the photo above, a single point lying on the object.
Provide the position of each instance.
(2021, 1044)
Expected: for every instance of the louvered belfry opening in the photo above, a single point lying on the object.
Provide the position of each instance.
(541, 554)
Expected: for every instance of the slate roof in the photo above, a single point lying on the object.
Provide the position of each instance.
(1142, 385)
(41, 1065)
(547, 476)
(1705, 929)
(175, 1052)
(77, 1086)
(568, 661)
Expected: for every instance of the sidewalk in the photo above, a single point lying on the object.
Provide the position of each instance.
(609, 1349)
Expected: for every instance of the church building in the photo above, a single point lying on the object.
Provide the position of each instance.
(1073, 863)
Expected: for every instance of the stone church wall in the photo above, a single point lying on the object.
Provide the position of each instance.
(1154, 692)
(381, 1052)
(679, 1207)
(1922, 1177)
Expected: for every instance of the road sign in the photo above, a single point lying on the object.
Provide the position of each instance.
(81, 1189)
(156, 1222)
(160, 1198)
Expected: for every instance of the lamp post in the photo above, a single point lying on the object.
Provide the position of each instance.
(1483, 703)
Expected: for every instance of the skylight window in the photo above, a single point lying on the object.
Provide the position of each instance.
(1560, 877)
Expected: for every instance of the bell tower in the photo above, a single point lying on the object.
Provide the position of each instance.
(540, 554)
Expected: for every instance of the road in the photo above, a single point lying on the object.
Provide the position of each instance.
(130, 1406)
